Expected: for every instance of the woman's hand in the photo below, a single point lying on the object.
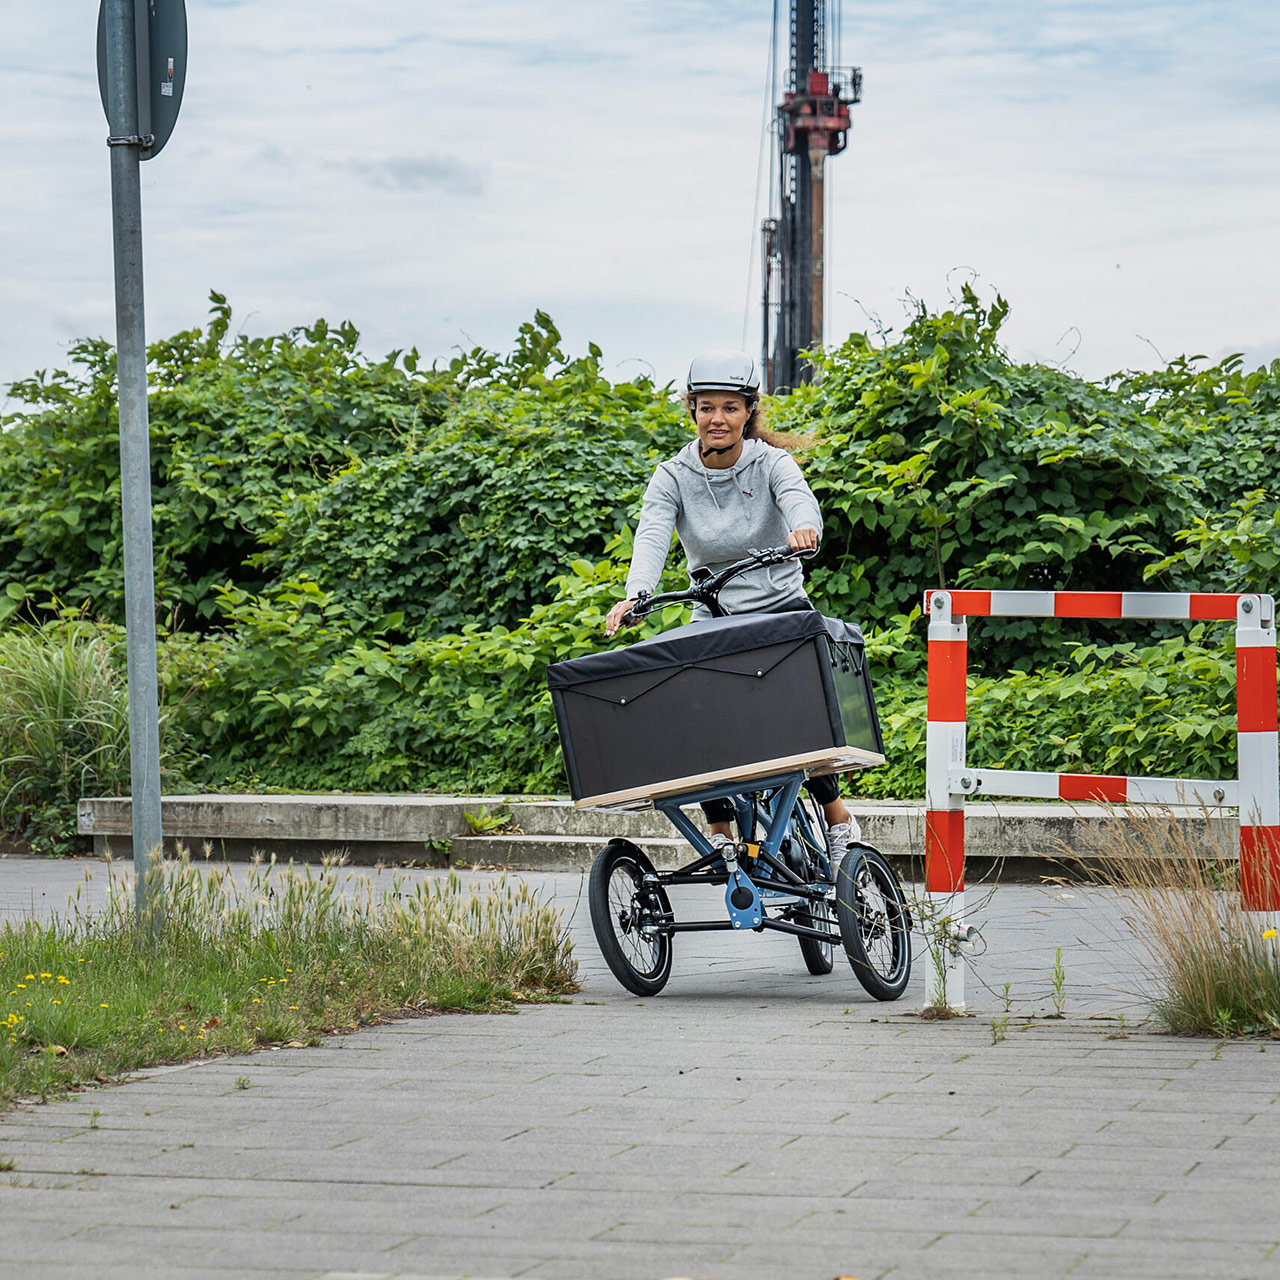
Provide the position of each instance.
(614, 619)
(803, 539)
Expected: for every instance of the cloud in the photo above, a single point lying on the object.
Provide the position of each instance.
(425, 169)
(418, 173)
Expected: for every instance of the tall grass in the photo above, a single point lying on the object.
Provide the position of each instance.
(268, 955)
(1217, 968)
(64, 729)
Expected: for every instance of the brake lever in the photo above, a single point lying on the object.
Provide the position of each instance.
(631, 618)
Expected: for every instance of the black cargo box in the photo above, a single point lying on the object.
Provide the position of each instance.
(714, 701)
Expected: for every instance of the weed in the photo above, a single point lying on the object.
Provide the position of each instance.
(93, 1119)
(1008, 997)
(242, 1082)
(483, 823)
(1059, 984)
(438, 851)
(8, 1164)
(1217, 967)
(999, 1029)
(939, 1012)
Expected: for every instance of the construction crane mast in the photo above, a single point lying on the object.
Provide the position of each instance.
(811, 123)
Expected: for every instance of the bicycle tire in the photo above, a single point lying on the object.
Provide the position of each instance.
(819, 957)
(621, 909)
(875, 925)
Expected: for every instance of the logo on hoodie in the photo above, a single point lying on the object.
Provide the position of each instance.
(746, 493)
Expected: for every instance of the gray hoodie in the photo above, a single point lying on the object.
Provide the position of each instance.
(722, 515)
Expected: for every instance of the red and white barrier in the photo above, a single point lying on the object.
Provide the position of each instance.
(949, 780)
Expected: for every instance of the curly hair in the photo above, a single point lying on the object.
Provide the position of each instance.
(756, 429)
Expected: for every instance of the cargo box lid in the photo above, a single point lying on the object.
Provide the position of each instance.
(701, 642)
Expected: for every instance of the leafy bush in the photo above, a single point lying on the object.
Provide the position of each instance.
(238, 432)
(938, 462)
(1162, 709)
(1238, 550)
(1224, 420)
(297, 694)
(374, 563)
(470, 521)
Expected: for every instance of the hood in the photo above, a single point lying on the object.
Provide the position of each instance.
(753, 451)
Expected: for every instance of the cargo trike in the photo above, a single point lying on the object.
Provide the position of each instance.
(745, 708)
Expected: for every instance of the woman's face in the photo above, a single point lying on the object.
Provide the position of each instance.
(720, 417)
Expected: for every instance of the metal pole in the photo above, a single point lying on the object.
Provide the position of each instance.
(135, 449)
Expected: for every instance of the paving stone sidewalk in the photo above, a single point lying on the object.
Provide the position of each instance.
(749, 1122)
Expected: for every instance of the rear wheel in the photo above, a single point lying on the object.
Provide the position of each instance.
(819, 957)
(628, 918)
(875, 924)
(809, 861)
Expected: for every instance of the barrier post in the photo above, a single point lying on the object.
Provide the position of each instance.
(944, 809)
(1256, 737)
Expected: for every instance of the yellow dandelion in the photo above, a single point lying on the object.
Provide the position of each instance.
(64, 980)
(46, 975)
(55, 1002)
(1269, 933)
(181, 1026)
(104, 1006)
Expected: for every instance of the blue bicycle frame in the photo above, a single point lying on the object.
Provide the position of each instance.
(754, 874)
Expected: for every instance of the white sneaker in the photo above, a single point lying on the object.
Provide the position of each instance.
(719, 840)
(840, 837)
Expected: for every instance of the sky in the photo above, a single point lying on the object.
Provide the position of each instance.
(434, 173)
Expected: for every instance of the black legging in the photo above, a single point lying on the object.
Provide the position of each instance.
(824, 789)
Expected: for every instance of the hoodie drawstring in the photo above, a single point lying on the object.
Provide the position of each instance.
(711, 489)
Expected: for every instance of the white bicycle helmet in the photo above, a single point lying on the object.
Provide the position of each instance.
(724, 370)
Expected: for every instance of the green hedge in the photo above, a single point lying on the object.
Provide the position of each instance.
(366, 566)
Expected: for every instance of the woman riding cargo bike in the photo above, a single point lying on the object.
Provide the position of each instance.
(758, 695)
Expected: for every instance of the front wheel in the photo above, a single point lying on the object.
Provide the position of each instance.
(628, 917)
(875, 925)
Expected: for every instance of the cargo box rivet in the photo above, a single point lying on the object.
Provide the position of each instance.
(622, 702)
(759, 673)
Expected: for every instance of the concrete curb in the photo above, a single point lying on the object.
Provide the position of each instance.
(1011, 841)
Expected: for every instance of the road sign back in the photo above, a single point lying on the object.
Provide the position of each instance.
(160, 34)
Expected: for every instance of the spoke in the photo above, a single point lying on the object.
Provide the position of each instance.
(627, 908)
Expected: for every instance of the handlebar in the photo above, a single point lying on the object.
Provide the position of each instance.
(707, 585)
